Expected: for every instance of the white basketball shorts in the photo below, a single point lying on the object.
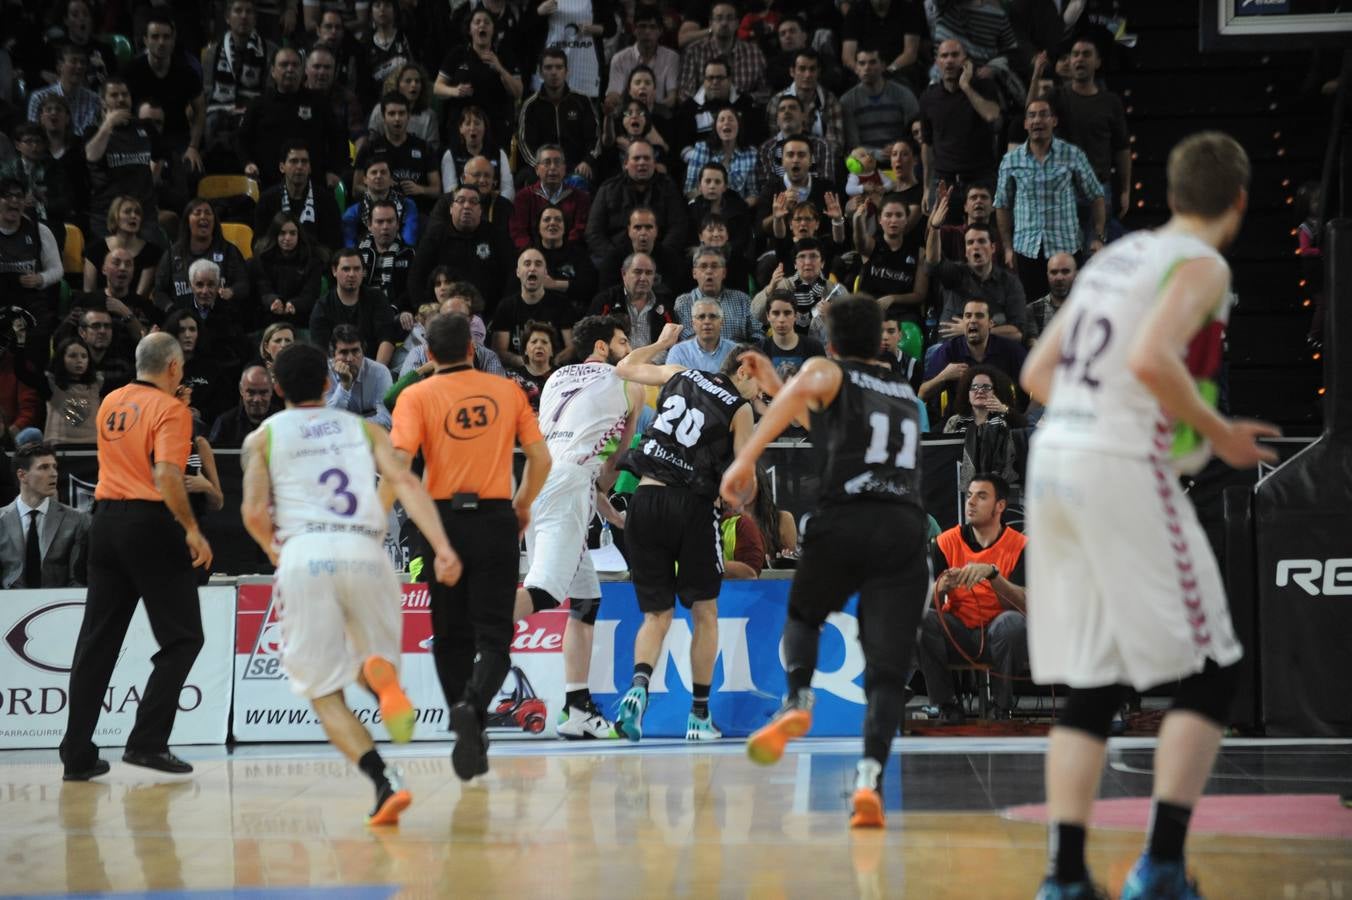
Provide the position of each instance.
(556, 539)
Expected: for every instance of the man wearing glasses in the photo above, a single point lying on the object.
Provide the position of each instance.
(709, 270)
(708, 349)
(458, 236)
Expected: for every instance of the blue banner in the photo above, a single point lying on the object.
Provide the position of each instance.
(748, 680)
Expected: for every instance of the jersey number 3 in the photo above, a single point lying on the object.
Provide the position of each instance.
(343, 502)
(880, 428)
(680, 422)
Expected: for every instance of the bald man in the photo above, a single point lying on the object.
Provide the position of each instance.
(1061, 272)
(256, 400)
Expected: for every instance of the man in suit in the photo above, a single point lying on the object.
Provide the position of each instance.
(43, 542)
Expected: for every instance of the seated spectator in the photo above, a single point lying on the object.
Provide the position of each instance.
(986, 34)
(531, 303)
(313, 205)
(569, 269)
(460, 299)
(201, 238)
(804, 220)
(337, 30)
(387, 261)
(633, 122)
(903, 155)
(646, 51)
(48, 196)
(110, 351)
(785, 347)
(276, 338)
(124, 233)
(473, 248)
(72, 389)
(633, 301)
(709, 270)
(743, 546)
(642, 235)
(792, 35)
(549, 189)
(822, 114)
(70, 85)
(695, 117)
(20, 404)
(947, 362)
(745, 58)
(812, 291)
(287, 270)
(413, 164)
(778, 531)
(201, 373)
(637, 186)
(892, 273)
(983, 411)
(977, 209)
(977, 277)
(886, 27)
(901, 362)
(715, 232)
(797, 184)
(288, 110)
(556, 116)
(724, 146)
(344, 107)
(442, 286)
(123, 159)
(474, 139)
(43, 542)
(378, 184)
(820, 159)
(76, 29)
(479, 174)
(351, 302)
(234, 73)
(482, 72)
(231, 427)
(1061, 272)
(980, 595)
(355, 383)
(542, 345)
(411, 81)
(708, 349)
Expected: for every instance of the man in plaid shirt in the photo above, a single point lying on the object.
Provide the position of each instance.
(746, 59)
(1035, 195)
(709, 270)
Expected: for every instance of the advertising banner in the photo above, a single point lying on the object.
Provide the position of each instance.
(40, 629)
(267, 710)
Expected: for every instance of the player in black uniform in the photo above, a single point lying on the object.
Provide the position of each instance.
(868, 534)
(671, 528)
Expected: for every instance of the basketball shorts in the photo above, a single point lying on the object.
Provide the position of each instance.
(675, 547)
(1122, 584)
(556, 539)
(338, 602)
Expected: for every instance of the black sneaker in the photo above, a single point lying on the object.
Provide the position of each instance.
(469, 757)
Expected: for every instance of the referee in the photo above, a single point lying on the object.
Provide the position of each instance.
(466, 423)
(145, 434)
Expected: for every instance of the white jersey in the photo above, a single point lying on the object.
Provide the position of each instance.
(323, 474)
(1096, 402)
(582, 412)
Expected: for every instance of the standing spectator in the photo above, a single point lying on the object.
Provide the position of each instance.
(377, 186)
(84, 103)
(313, 205)
(286, 269)
(770, 156)
(413, 165)
(977, 344)
(356, 384)
(162, 73)
(637, 185)
(956, 117)
(893, 271)
(695, 118)
(344, 107)
(122, 161)
(549, 190)
(977, 209)
(576, 28)
(43, 542)
(822, 114)
(472, 138)
(411, 81)
(1061, 272)
(531, 303)
(984, 30)
(382, 51)
(1035, 199)
(473, 248)
(709, 271)
(201, 238)
(664, 62)
(977, 277)
(745, 58)
(387, 261)
(707, 350)
(77, 30)
(289, 111)
(877, 110)
(479, 74)
(886, 26)
(351, 302)
(234, 73)
(124, 233)
(68, 152)
(559, 116)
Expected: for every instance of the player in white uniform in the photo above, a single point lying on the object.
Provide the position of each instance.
(1123, 587)
(586, 411)
(311, 503)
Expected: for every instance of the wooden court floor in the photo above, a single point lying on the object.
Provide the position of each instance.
(661, 820)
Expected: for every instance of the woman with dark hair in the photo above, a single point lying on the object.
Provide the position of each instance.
(541, 343)
(893, 272)
(201, 375)
(286, 268)
(904, 156)
(983, 411)
(124, 233)
(474, 137)
(777, 527)
(71, 390)
(568, 265)
(411, 81)
(475, 73)
(725, 147)
(632, 121)
(200, 238)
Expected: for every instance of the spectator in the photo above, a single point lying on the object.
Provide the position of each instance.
(633, 301)
(68, 152)
(977, 209)
(984, 413)
(902, 157)
(727, 217)
(646, 51)
(956, 118)
(122, 161)
(413, 165)
(255, 403)
(312, 205)
(47, 195)
(556, 116)
(569, 269)
(792, 36)
(350, 302)
(804, 221)
(632, 122)
(877, 110)
(43, 542)
(497, 210)
(460, 299)
(383, 49)
(641, 236)
(637, 186)
(356, 384)
(378, 186)
(387, 261)
(812, 291)
(724, 146)
(276, 338)
(84, 103)
(483, 73)
(986, 34)
(288, 110)
(286, 269)
(77, 30)
(695, 117)
(785, 347)
(898, 360)
(110, 353)
(71, 390)
(950, 359)
(1035, 199)
(578, 30)
(335, 32)
(770, 156)
(234, 73)
(548, 190)
(201, 374)
(344, 107)
(542, 345)
(163, 73)
(709, 271)
(474, 250)
(473, 139)
(797, 185)
(977, 277)
(20, 404)
(201, 238)
(30, 264)
(1061, 272)
(531, 303)
(980, 595)
(892, 271)
(410, 81)
(708, 349)
(884, 26)
(742, 545)
(748, 64)
(822, 114)
(124, 233)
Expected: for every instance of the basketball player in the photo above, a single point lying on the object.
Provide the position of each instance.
(339, 597)
(1123, 588)
(672, 526)
(586, 411)
(867, 536)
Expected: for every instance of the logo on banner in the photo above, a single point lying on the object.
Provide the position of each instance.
(1336, 580)
(265, 658)
(42, 637)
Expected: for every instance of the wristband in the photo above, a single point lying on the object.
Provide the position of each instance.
(995, 573)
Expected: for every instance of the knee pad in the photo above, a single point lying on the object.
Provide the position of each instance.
(1209, 692)
(541, 599)
(584, 609)
(1091, 710)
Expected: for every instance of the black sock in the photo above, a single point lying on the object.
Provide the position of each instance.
(374, 767)
(642, 673)
(579, 699)
(1168, 830)
(700, 704)
(1065, 852)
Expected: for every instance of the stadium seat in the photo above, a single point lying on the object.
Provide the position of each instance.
(72, 255)
(241, 236)
(216, 187)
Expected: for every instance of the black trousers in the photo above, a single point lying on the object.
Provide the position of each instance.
(472, 622)
(136, 551)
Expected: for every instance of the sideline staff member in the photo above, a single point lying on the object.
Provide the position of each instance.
(145, 433)
(466, 423)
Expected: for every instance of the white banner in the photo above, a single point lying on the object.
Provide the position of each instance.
(39, 630)
(266, 709)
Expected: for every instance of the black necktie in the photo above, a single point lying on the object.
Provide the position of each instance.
(32, 563)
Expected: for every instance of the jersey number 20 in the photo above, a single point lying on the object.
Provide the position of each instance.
(677, 420)
(880, 427)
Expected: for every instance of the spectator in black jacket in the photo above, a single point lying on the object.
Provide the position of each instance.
(352, 303)
(634, 301)
(473, 248)
(556, 115)
(286, 269)
(313, 205)
(200, 237)
(638, 185)
(288, 110)
(386, 260)
(255, 402)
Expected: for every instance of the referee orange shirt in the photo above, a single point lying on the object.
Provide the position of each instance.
(466, 423)
(139, 425)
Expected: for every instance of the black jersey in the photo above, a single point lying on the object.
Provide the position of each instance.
(689, 444)
(868, 439)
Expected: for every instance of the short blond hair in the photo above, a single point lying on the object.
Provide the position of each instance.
(1206, 172)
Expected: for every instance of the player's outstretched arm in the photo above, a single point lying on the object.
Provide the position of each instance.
(1040, 366)
(258, 493)
(815, 386)
(638, 366)
(417, 504)
(1156, 359)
